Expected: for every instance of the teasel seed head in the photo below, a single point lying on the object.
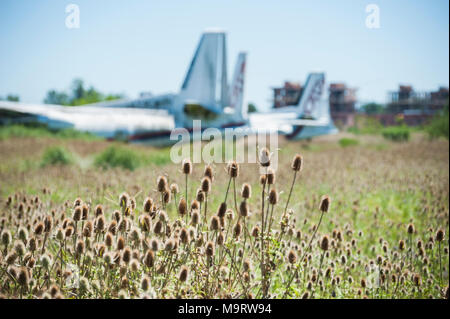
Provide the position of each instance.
(77, 202)
(19, 248)
(200, 196)
(158, 228)
(195, 217)
(186, 166)
(77, 213)
(401, 245)
(222, 210)
(184, 236)
(237, 229)
(233, 169)
(262, 179)
(243, 209)
(161, 183)
(271, 176)
(214, 223)
(246, 191)
(273, 196)
(148, 204)
(324, 204)
(182, 207)
(410, 229)
(166, 196)
(120, 243)
(255, 231)
(126, 255)
(440, 235)
(39, 228)
(23, 277)
(79, 248)
(209, 172)
(292, 257)
(100, 223)
(297, 163)
(48, 223)
(264, 157)
(6, 237)
(417, 280)
(324, 243)
(149, 258)
(145, 283)
(84, 212)
(220, 239)
(184, 273)
(87, 230)
(209, 251)
(154, 244)
(206, 184)
(98, 210)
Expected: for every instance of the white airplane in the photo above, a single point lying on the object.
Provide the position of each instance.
(204, 95)
(309, 118)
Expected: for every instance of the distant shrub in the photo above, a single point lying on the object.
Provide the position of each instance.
(56, 155)
(115, 156)
(439, 125)
(344, 142)
(396, 133)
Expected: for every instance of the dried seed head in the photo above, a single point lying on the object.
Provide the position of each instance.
(23, 277)
(182, 207)
(273, 196)
(233, 169)
(297, 163)
(243, 209)
(154, 244)
(324, 204)
(220, 239)
(209, 249)
(100, 223)
(208, 172)
(6, 237)
(401, 245)
(184, 236)
(120, 243)
(237, 229)
(270, 176)
(292, 257)
(84, 212)
(77, 213)
(214, 224)
(166, 196)
(184, 272)
(149, 258)
(222, 210)
(48, 223)
(186, 166)
(440, 235)
(200, 196)
(79, 248)
(174, 189)
(324, 243)
(246, 191)
(255, 231)
(195, 205)
(148, 204)
(77, 202)
(195, 217)
(262, 179)
(39, 228)
(206, 184)
(145, 283)
(264, 157)
(410, 229)
(126, 255)
(98, 210)
(161, 183)
(158, 228)
(87, 230)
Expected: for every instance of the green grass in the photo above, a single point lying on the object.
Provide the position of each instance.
(396, 133)
(345, 142)
(115, 156)
(16, 130)
(56, 155)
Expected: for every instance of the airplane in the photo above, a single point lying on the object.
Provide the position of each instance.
(309, 118)
(204, 95)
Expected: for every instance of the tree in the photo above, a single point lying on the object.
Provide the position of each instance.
(54, 97)
(251, 108)
(12, 98)
(373, 108)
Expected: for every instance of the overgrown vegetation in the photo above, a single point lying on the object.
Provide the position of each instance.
(346, 141)
(232, 231)
(116, 156)
(439, 125)
(397, 133)
(16, 130)
(56, 155)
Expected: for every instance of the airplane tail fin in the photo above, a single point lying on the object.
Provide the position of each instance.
(237, 86)
(206, 80)
(310, 104)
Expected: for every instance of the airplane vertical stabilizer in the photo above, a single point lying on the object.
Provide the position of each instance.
(313, 92)
(237, 86)
(206, 80)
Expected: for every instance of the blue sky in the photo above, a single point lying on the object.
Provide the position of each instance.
(134, 46)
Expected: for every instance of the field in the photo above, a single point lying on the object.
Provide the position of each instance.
(381, 233)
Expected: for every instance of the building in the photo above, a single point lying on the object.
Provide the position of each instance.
(288, 94)
(342, 101)
(416, 108)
